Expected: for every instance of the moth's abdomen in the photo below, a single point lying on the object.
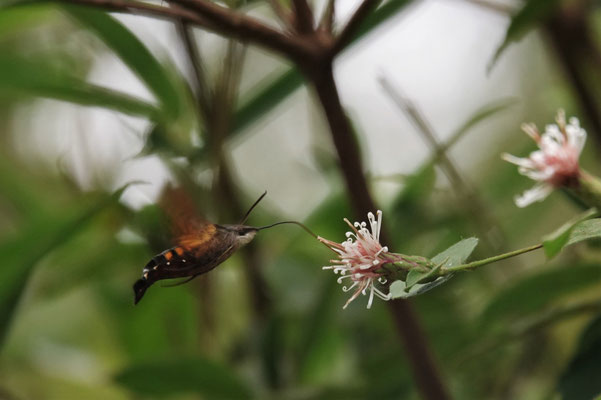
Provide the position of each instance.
(171, 260)
(172, 263)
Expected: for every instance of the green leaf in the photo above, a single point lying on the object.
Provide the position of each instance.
(169, 377)
(536, 291)
(21, 253)
(133, 53)
(457, 254)
(554, 242)
(580, 381)
(532, 13)
(381, 15)
(38, 77)
(413, 277)
(14, 20)
(589, 229)
(287, 82)
(267, 98)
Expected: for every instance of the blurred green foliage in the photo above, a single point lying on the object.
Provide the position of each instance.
(69, 253)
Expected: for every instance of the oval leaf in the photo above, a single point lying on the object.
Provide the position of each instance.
(39, 77)
(556, 241)
(133, 53)
(457, 254)
(589, 229)
(532, 13)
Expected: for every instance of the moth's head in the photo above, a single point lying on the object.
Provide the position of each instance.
(242, 234)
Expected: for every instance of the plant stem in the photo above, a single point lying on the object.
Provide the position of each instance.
(489, 260)
(354, 23)
(427, 377)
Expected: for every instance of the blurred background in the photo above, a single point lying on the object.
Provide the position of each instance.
(92, 101)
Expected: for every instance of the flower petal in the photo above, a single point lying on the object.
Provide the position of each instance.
(520, 161)
(537, 193)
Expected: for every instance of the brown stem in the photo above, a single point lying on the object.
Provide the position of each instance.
(134, 7)
(351, 28)
(424, 369)
(247, 29)
(282, 14)
(327, 20)
(200, 85)
(303, 16)
(214, 18)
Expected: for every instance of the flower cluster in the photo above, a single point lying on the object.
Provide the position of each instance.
(555, 164)
(359, 257)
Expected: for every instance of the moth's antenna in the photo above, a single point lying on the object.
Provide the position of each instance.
(252, 207)
(289, 222)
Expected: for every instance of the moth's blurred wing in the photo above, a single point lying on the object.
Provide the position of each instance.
(181, 210)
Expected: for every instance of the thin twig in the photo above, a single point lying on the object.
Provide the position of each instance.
(201, 87)
(282, 14)
(354, 23)
(484, 221)
(493, 6)
(234, 24)
(489, 260)
(135, 7)
(327, 19)
(303, 16)
(215, 18)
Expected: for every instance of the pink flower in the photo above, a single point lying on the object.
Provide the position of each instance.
(359, 257)
(555, 164)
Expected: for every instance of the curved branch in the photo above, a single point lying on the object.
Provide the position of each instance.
(303, 16)
(216, 18)
(135, 7)
(234, 24)
(327, 20)
(351, 28)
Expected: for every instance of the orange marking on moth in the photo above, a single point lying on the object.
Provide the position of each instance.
(168, 255)
(179, 251)
(198, 239)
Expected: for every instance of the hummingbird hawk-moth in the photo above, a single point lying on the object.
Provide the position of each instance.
(199, 251)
